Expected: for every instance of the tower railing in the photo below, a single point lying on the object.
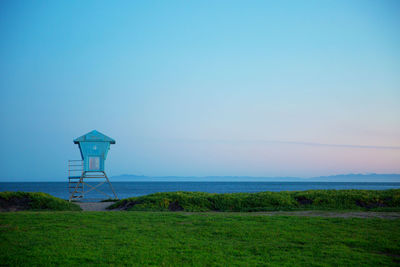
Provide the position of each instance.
(75, 173)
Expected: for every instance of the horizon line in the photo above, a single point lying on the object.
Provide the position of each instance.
(210, 176)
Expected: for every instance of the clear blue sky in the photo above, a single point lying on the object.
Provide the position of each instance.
(258, 88)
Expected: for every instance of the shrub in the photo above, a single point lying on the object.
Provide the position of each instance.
(13, 201)
(265, 201)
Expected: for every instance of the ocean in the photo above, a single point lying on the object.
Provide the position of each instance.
(131, 189)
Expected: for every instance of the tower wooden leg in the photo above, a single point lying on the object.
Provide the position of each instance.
(112, 189)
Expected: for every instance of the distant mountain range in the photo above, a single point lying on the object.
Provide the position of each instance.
(373, 177)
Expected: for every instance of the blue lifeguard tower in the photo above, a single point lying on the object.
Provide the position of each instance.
(94, 148)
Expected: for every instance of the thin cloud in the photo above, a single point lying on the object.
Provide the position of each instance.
(338, 145)
(290, 143)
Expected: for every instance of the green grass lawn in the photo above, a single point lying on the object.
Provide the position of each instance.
(176, 239)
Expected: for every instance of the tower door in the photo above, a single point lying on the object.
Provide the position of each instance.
(94, 163)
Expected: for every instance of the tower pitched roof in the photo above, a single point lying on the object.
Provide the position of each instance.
(94, 136)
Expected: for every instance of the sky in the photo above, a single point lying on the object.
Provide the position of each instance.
(201, 88)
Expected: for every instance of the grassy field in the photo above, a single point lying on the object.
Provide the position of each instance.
(378, 200)
(201, 239)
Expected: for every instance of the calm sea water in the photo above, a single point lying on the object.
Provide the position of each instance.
(130, 189)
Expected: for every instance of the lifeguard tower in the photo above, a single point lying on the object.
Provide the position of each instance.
(94, 147)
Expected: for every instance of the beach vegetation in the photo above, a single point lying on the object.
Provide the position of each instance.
(17, 201)
(365, 200)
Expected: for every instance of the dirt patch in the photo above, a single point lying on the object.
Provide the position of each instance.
(127, 205)
(14, 204)
(395, 257)
(174, 206)
(94, 206)
(370, 205)
(303, 200)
